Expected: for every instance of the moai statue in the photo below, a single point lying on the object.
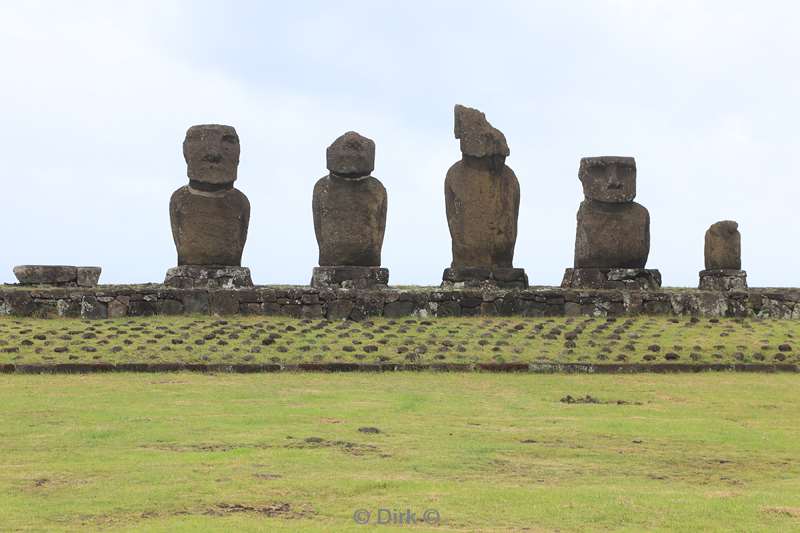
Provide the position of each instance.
(209, 216)
(349, 207)
(612, 241)
(481, 196)
(723, 258)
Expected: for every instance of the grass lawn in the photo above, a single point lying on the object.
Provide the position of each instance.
(203, 339)
(291, 452)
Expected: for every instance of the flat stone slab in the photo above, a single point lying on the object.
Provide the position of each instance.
(611, 278)
(350, 277)
(59, 275)
(208, 277)
(479, 277)
(723, 280)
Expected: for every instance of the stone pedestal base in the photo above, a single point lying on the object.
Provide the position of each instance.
(723, 280)
(611, 278)
(477, 277)
(350, 277)
(208, 277)
(58, 275)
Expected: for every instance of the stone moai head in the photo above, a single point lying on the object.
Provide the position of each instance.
(478, 137)
(610, 179)
(351, 156)
(723, 246)
(212, 154)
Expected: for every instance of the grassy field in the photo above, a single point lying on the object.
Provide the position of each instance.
(292, 452)
(203, 339)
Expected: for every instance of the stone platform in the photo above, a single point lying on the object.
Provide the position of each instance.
(208, 277)
(477, 277)
(109, 301)
(350, 277)
(58, 275)
(611, 278)
(723, 280)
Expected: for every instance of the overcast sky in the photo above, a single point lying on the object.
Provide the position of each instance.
(96, 98)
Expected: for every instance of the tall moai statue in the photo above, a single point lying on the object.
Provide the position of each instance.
(209, 216)
(349, 207)
(612, 240)
(481, 195)
(723, 258)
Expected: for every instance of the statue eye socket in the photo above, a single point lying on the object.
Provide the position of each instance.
(597, 171)
(230, 139)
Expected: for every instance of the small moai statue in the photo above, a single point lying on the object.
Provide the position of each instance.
(723, 258)
(349, 208)
(209, 216)
(481, 195)
(612, 239)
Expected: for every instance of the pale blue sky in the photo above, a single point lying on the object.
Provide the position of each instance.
(96, 98)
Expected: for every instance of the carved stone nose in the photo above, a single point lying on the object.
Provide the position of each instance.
(613, 182)
(212, 158)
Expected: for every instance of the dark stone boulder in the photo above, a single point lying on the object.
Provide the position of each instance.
(59, 275)
(723, 247)
(612, 235)
(88, 276)
(46, 274)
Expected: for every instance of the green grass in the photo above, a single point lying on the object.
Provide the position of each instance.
(199, 339)
(186, 452)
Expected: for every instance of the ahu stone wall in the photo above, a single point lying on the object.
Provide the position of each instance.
(111, 301)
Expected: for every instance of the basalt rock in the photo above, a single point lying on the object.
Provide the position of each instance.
(612, 278)
(479, 277)
(209, 217)
(723, 280)
(197, 276)
(481, 197)
(350, 277)
(58, 275)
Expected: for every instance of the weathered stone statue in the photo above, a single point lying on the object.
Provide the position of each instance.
(209, 216)
(482, 202)
(723, 258)
(349, 207)
(612, 240)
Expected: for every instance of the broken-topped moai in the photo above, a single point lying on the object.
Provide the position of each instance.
(209, 216)
(349, 207)
(723, 258)
(612, 240)
(481, 198)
